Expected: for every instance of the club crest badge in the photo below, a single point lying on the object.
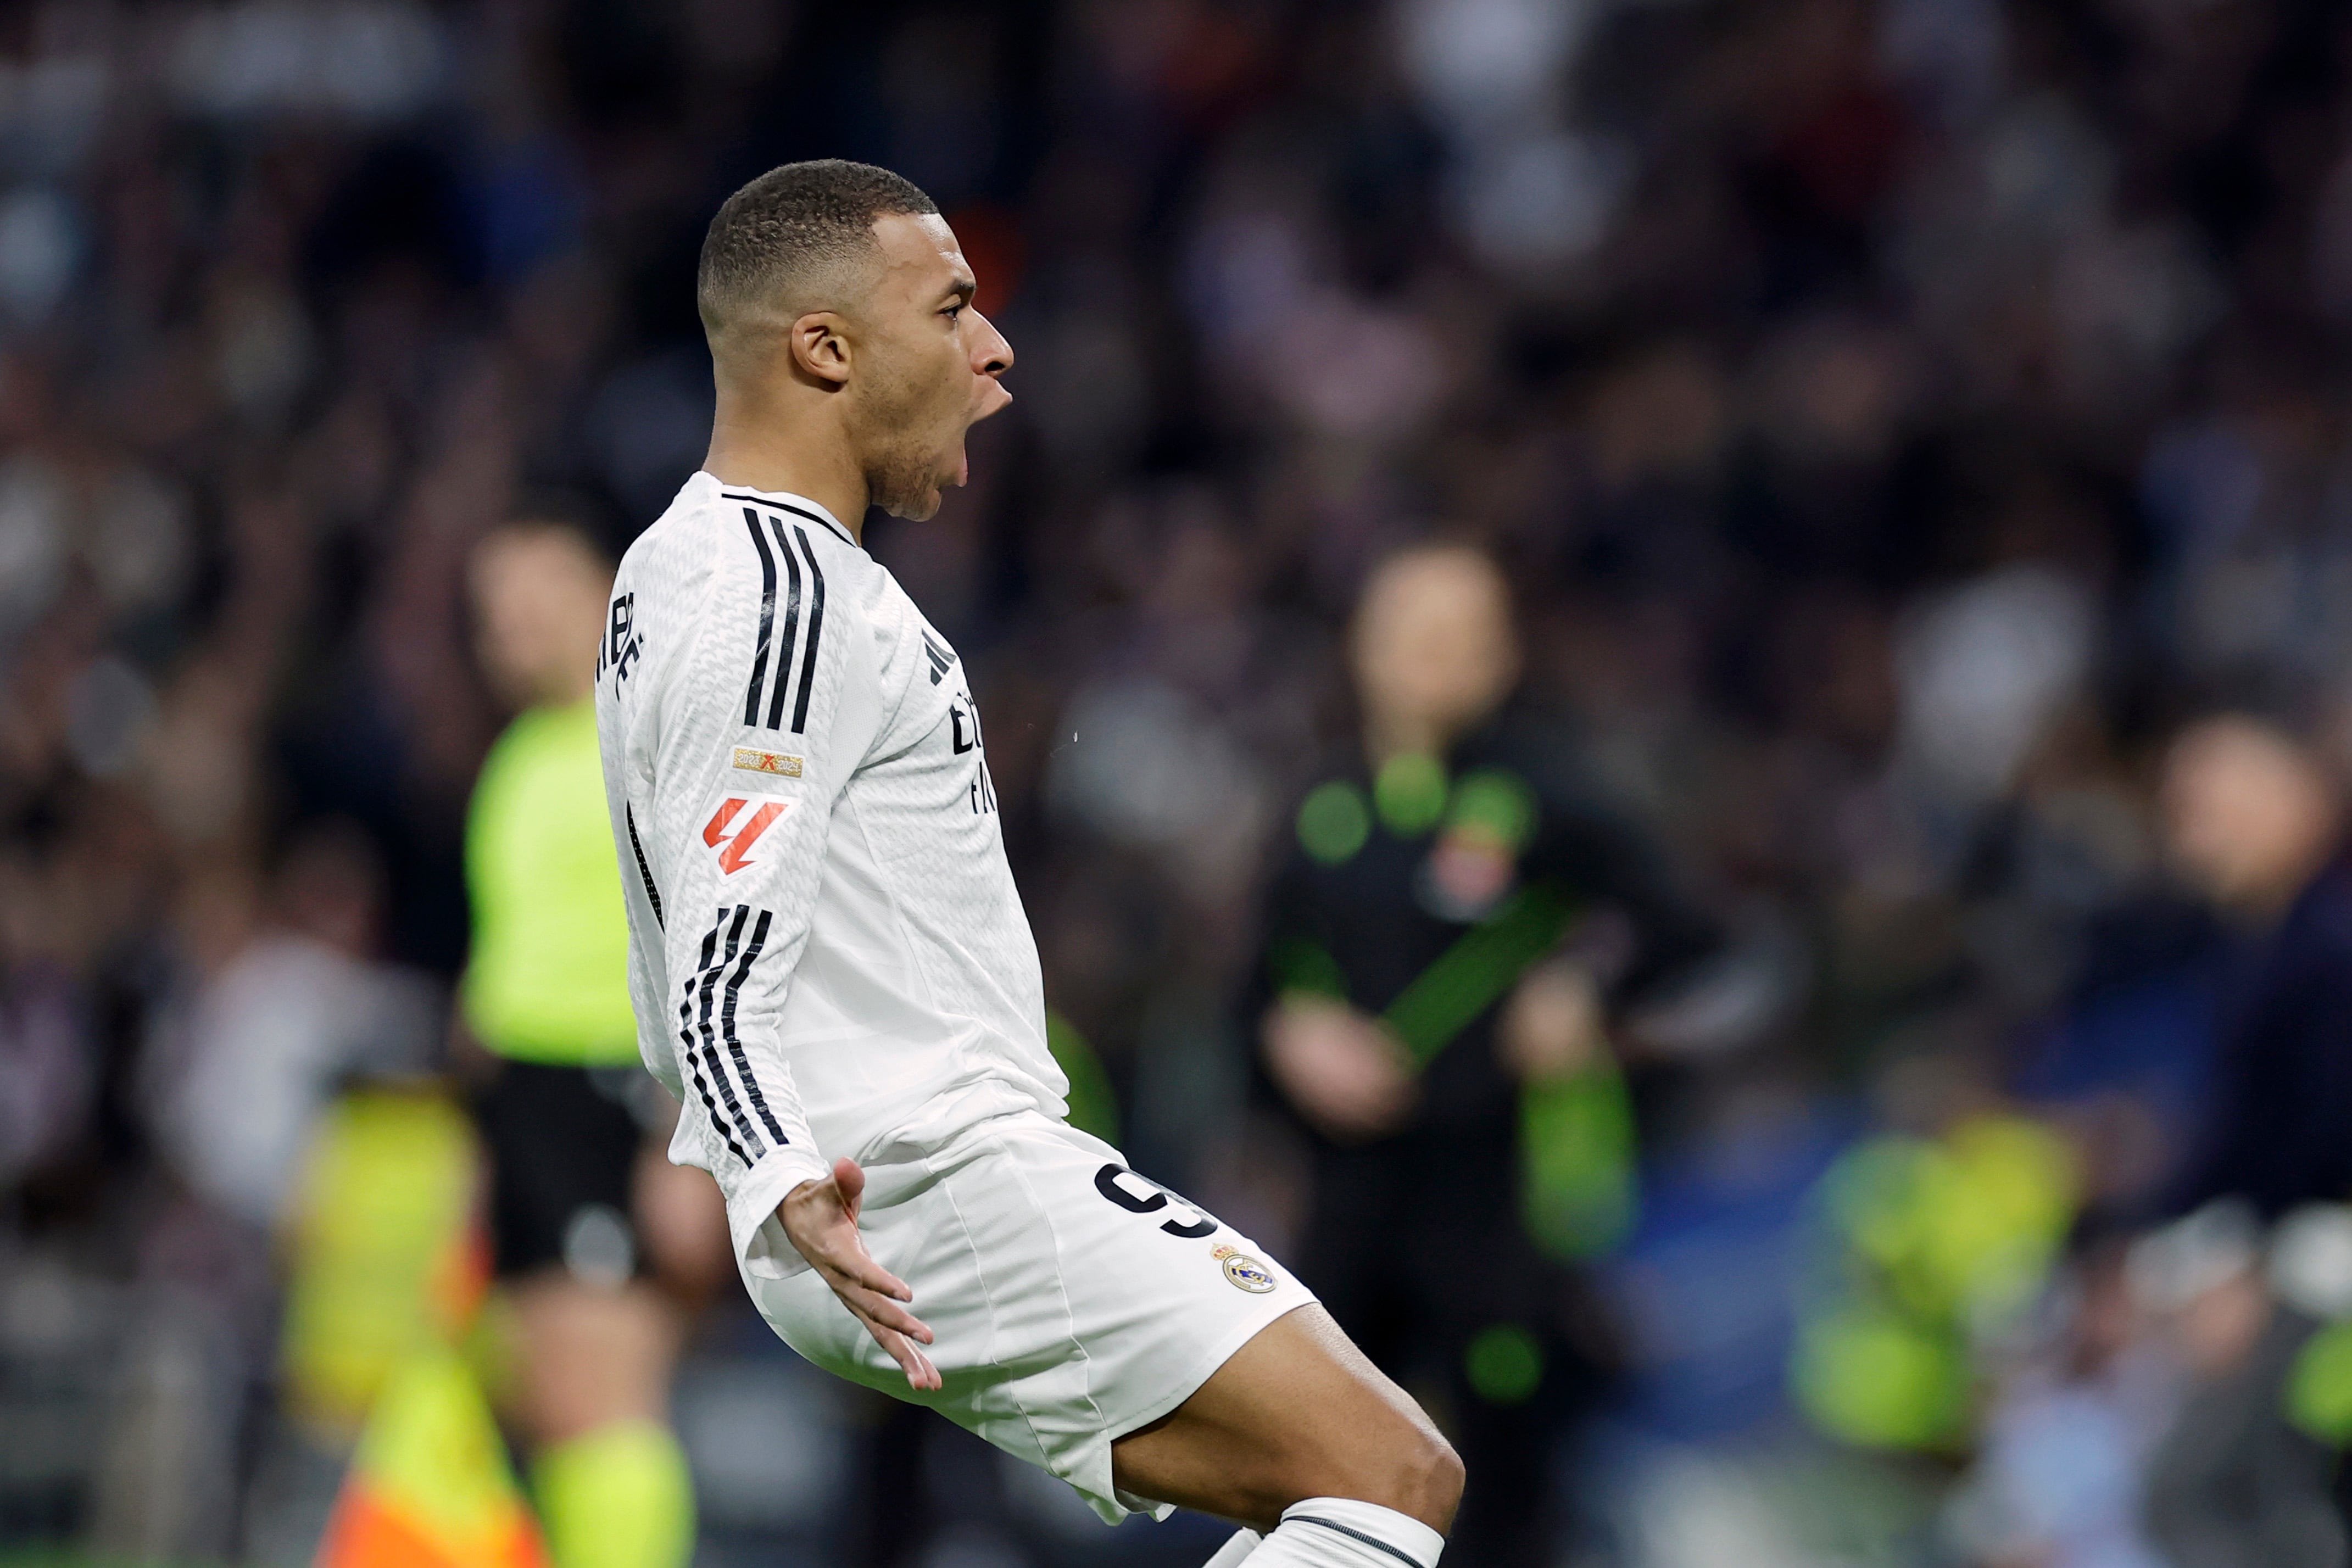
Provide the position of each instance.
(1244, 1271)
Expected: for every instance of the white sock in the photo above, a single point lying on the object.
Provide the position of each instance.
(1231, 1553)
(1340, 1532)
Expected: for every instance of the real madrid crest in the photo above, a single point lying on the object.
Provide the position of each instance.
(1245, 1272)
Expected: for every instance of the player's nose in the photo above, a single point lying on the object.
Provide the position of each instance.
(991, 354)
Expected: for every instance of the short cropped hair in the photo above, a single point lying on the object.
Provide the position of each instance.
(774, 243)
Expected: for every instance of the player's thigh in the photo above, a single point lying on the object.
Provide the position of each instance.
(1071, 1299)
(1298, 1412)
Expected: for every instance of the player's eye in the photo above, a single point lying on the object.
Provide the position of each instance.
(953, 312)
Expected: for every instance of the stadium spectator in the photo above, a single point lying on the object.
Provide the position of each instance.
(2254, 818)
(306, 1004)
(2232, 1480)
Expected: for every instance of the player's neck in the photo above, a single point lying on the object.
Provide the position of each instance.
(757, 453)
(1391, 735)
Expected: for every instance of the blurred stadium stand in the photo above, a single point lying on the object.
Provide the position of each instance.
(1898, 420)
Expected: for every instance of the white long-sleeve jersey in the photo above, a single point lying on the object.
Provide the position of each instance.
(827, 953)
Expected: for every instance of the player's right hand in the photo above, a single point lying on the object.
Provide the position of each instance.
(821, 1219)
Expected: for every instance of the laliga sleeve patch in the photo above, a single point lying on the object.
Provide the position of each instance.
(737, 824)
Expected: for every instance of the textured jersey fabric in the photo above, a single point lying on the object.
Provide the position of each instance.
(826, 949)
(547, 978)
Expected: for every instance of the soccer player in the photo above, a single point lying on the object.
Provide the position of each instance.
(595, 1244)
(832, 966)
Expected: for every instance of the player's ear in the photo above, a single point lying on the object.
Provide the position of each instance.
(818, 348)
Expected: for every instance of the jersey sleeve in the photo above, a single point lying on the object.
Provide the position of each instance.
(763, 721)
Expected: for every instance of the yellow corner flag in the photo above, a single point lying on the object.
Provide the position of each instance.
(386, 1255)
(430, 1486)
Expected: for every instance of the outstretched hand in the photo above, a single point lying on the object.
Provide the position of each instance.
(821, 1219)
(1345, 1071)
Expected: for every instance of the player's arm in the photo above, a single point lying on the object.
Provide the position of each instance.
(761, 730)
(1337, 1067)
(1690, 987)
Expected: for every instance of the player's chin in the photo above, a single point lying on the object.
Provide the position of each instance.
(918, 506)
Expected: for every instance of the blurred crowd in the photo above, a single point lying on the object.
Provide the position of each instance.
(1912, 436)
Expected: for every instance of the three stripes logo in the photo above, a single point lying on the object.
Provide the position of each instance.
(710, 996)
(941, 656)
(782, 647)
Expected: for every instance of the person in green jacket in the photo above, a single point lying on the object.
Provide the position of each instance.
(599, 1242)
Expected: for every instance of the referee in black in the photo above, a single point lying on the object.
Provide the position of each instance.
(1459, 916)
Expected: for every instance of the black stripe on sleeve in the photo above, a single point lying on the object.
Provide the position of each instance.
(709, 986)
(734, 1044)
(816, 624)
(767, 620)
(694, 1064)
(791, 624)
(1374, 1541)
(644, 872)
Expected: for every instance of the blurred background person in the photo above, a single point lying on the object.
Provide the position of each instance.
(2061, 1478)
(1421, 1022)
(603, 1245)
(2254, 818)
(287, 1010)
(2234, 1478)
(305, 1004)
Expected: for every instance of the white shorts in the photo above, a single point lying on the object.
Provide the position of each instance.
(1071, 1300)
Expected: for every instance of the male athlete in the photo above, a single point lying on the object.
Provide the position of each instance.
(833, 971)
